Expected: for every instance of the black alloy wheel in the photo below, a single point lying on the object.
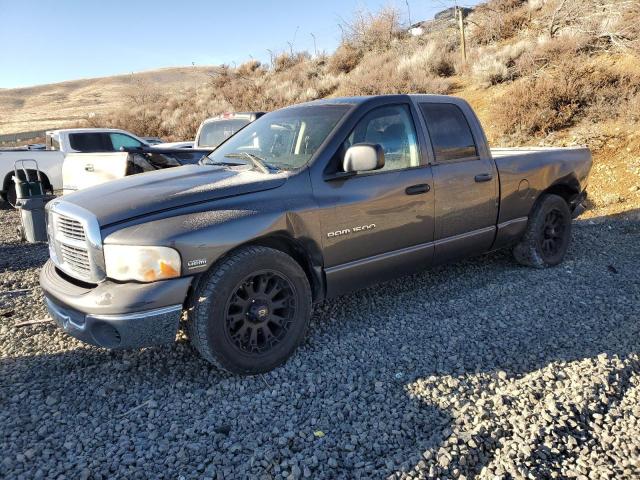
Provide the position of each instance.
(250, 311)
(548, 233)
(260, 312)
(552, 237)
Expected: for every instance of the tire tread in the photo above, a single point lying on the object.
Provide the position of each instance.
(198, 318)
(526, 250)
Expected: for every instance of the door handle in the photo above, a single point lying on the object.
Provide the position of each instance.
(483, 177)
(417, 189)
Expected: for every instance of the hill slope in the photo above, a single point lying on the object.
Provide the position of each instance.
(61, 104)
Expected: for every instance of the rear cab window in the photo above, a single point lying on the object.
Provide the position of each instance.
(215, 132)
(450, 132)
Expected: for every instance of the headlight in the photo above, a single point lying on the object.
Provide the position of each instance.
(145, 264)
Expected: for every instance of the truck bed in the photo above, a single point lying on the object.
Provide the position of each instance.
(541, 167)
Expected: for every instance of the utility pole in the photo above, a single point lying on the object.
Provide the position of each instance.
(463, 41)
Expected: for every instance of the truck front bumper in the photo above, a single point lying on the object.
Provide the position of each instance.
(115, 315)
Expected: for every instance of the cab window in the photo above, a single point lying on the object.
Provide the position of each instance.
(119, 140)
(450, 132)
(392, 128)
(90, 142)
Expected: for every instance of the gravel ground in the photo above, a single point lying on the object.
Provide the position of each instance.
(481, 369)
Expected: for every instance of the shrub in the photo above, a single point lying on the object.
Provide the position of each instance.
(498, 20)
(249, 67)
(286, 60)
(548, 51)
(373, 31)
(345, 59)
(383, 74)
(492, 65)
(575, 89)
(628, 28)
(431, 59)
(558, 67)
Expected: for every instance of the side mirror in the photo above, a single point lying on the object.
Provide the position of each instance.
(363, 157)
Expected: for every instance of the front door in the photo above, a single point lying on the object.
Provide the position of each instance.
(465, 184)
(377, 225)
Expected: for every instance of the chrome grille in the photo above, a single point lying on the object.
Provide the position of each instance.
(70, 228)
(77, 259)
(75, 242)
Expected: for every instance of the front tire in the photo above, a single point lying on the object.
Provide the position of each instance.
(548, 234)
(249, 314)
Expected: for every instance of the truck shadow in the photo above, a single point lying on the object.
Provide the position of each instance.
(407, 344)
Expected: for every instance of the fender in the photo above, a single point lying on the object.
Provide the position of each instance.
(202, 237)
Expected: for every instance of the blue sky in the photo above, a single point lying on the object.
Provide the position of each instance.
(52, 41)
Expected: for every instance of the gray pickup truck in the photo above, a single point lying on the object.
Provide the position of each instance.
(306, 203)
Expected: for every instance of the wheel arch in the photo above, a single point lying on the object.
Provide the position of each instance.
(285, 243)
(568, 189)
(8, 179)
(305, 255)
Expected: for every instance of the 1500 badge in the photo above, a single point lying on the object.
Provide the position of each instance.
(197, 263)
(347, 231)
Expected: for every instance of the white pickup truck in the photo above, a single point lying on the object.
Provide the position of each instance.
(60, 144)
(82, 170)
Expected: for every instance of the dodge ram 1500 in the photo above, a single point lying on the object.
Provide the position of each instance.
(307, 202)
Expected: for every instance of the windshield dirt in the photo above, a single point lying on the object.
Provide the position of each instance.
(282, 140)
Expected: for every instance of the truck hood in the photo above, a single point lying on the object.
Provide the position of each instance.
(147, 193)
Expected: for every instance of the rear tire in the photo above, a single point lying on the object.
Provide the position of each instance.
(10, 196)
(250, 313)
(548, 234)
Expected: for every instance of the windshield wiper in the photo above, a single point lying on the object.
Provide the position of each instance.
(208, 161)
(257, 162)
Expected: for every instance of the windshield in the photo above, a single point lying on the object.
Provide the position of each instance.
(285, 139)
(214, 133)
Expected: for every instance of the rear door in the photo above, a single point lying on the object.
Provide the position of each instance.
(465, 182)
(377, 225)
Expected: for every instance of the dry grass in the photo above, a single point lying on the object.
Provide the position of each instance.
(575, 88)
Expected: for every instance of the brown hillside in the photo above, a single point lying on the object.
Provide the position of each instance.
(62, 104)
